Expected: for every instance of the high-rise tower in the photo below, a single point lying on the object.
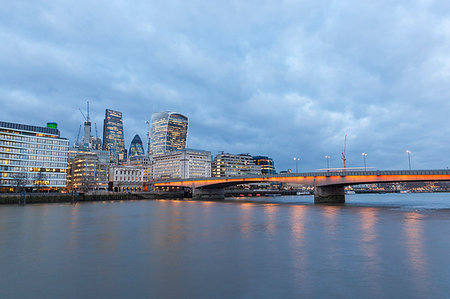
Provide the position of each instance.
(113, 140)
(136, 147)
(168, 132)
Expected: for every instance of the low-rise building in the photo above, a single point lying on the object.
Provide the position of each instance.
(185, 163)
(126, 178)
(266, 163)
(88, 172)
(226, 165)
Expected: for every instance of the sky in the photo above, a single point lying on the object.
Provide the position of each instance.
(283, 79)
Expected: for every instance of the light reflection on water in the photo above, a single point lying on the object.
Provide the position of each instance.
(284, 247)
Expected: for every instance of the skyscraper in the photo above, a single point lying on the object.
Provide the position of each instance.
(136, 147)
(168, 132)
(113, 140)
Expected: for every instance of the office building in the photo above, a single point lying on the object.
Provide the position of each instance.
(88, 172)
(168, 132)
(226, 165)
(113, 140)
(186, 163)
(266, 163)
(32, 157)
(126, 178)
(136, 147)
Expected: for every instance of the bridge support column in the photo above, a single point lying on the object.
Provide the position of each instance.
(329, 194)
(208, 194)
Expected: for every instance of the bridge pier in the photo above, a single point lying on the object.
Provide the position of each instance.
(329, 194)
(208, 194)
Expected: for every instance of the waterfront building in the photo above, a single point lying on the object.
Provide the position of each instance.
(226, 165)
(136, 147)
(266, 163)
(126, 178)
(168, 132)
(88, 172)
(32, 157)
(145, 163)
(113, 140)
(186, 163)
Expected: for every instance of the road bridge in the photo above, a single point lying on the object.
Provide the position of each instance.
(328, 186)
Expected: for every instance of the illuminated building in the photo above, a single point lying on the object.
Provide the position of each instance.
(124, 178)
(226, 165)
(168, 132)
(266, 163)
(32, 157)
(88, 171)
(136, 147)
(145, 163)
(113, 140)
(186, 163)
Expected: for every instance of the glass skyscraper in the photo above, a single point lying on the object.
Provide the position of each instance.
(136, 147)
(168, 132)
(113, 140)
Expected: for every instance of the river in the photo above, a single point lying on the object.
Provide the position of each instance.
(375, 246)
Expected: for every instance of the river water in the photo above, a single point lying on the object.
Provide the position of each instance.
(375, 246)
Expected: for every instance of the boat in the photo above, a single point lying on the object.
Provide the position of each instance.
(303, 193)
(349, 192)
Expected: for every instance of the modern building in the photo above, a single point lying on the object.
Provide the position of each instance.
(226, 165)
(113, 140)
(32, 157)
(186, 163)
(168, 132)
(136, 147)
(266, 163)
(88, 172)
(126, 178)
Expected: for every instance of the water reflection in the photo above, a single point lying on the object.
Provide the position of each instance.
(270, 213)
(245, 219)
(415, 249)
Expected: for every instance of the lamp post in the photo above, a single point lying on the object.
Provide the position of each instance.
(296, 164)
(328, 162)
(409, 158)
(364, 155)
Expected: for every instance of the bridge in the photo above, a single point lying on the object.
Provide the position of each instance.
(328, 186)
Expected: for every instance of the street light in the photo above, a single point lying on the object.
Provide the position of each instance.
(409, 158)
(328, 162)
(296, 164)
(364, 155)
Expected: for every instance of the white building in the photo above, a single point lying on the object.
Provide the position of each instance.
(123, 178)
(185, 163)
(226, 165)
(32, 157)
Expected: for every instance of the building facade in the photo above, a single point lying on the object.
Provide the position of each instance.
(126, 178)
(32, 157)
(266, 163)
(226, 165)
(136, 147)
(186, 163)
(168, 132)
(113, 140)
(88, 172)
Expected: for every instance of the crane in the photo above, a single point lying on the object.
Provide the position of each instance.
(78, 135)
(345, 147)
(82, 114)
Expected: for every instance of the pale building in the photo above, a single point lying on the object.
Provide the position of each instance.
(126, 178)
(168, 132)
(186, 163)
(226, 165)
(88, 172)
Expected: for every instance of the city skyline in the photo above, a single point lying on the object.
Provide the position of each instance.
(249, 81)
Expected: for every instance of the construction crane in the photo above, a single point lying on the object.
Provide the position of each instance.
(78, 135)
(343, 153)
(82, 114)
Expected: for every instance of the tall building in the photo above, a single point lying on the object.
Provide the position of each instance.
(186, 163)
(168, 132)
(113, 140)
(266, 163)
(32, 157)
(136, 147)
(226, 165)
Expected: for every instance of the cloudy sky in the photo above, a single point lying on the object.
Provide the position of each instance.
(279, 78)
